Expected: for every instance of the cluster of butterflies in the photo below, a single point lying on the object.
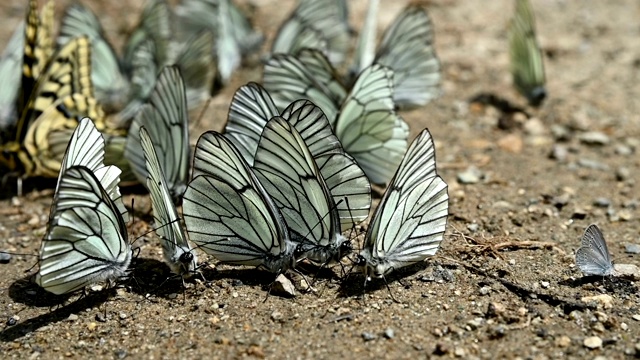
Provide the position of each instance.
(282, 183)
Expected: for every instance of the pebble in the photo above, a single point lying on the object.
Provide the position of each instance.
(495, 309)
(560, 132)
(367, 336)
(624, 326)
(622, 173)
(172, 296)
(475, 323)
(485, 290)
(623, 150)
(472, 175)
(5, 258)
(92, 326)
(534, 126)
(630, 271)
(122, 315)
(389, 333)
(632, 249)
(283, 286)
(563, 341)
(559, 152)
(511, 143)
(473, 227)
(635, 317)
(277, 316)
(13, 320)
(72, 317)
(592, 164)
(100, 317)
(459, 352)
(592, 342)
(602, 202)
(544, 284)
(603, 300)
(497, 332)
(594, 138)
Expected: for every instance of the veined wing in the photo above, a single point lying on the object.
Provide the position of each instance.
(86, 241)
(593, 257)
(176, 249)
(527, 66)
(410, 220)
(365, 48)
(110, 83)
(10, 73)
(165, 118)
(195, 60)
(154, 26)
(407, 48)
(250, 109)
(229, 214)
(368, 126)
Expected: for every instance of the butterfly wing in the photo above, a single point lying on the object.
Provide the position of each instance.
(410, 220)
(195, 60)
(527, 66)
(86, 241)
(365, 48)
(369, 128)
(111, 85)
(10, 73)
(407, 48)
(165, 118)
(250, 109)
(176, 249)
(228, 213)
(593, 257)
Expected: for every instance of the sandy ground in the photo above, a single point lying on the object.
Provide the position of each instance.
(504, 284)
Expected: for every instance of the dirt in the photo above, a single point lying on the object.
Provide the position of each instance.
(504, 283)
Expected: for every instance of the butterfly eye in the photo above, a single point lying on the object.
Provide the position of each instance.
(186, 258)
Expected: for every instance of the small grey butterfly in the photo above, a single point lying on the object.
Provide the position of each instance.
(593, 256)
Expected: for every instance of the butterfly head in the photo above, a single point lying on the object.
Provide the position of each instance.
(9, 156)
(184, 262)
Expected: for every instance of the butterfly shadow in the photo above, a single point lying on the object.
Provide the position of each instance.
(611, 284)
(506, 121)
(25, 292)
(150, 276)
(9, 185)
(354, 284)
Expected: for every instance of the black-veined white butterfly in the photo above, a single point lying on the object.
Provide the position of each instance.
(527, 67)
(166, 120)
(86, 240)
(409, 223)
(364, 119)
(228, 213)
(251, 108)
(175, 247)
(315, 24)
(10, 74)
(593, 256)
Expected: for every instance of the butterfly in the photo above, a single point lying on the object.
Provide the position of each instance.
(250, 110)
(228, 213)
(10, 74)
(410, 220)
(110, 82)
(407, 47)
(177, 252)
(593, 256)
(363, 119)
(527, 66)
(315, 24)
(166, 120)
(235, 37)
(86, 240)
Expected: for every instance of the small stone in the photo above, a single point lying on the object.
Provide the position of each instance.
(172, 296)
(563, 341)
(122, 316)
(560, 201)
(459, 352)
(624, 150)
(236, 282)
(485, 290)
(497, 332)
(594, 138)
(100, 317)
(559, 152)
(544, 284)
(367, 336)
(511, 143)
(592, 342)
(560, 132)
(13, 320)
(277, 316)
(476, 323)
(636, 317)
(473, 227)
(623, 173)
(630, 271)
(72, 317)
(283, 286)
(512, 261)
(256, 351)
(96, 288)
(92, 326)
(603, 300)
(120, 353)
(495, 309)
(4, 257)
(534, 126)
(472, 175)
(592, 164)
(389, 333)
(624, 326)
(602, 202)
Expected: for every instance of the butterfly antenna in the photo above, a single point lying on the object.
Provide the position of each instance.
(201, 115)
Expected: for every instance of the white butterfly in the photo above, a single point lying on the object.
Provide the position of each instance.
(10, 73)
(86, 240)
(593, 256)
(166, 119)
(364, 119)
(315, 24)
(251, 108)
(527, 66)
(177, 252)
(409, 223)
(229, 214)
